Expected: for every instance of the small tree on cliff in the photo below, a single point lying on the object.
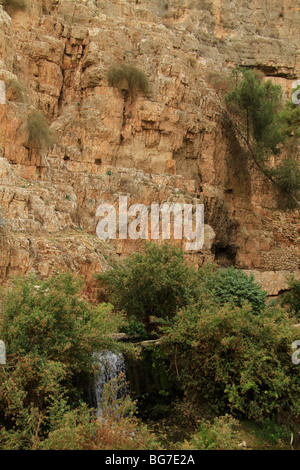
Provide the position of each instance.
(261, 122)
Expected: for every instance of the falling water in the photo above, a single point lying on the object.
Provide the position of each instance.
(112, 365)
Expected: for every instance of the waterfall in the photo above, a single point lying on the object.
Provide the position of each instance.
(112, 366)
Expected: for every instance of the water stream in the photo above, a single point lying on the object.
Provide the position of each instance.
(112, 368)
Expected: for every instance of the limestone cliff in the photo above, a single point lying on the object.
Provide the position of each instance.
(169, 144)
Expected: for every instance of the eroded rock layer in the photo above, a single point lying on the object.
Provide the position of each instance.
(169, 144)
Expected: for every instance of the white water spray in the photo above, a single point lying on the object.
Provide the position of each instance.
(112, 365)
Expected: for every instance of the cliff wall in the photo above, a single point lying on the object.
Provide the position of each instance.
(169, 144)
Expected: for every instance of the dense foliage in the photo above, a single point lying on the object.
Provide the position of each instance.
(50, 334)
(230, 360)
(223, 346)
(256, 105)
(158, 281)
(233, 285)
(151, 283)
(291, 298)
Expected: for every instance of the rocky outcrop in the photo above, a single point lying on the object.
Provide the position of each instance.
(169, 144)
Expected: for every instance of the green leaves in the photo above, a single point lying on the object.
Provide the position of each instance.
(261, 121)
(50, 334)
(291, 298)
(153, 282)
(257, 104)
(235, 361)
(234, 285)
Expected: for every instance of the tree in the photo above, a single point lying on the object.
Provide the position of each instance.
(262, 122)
(151, 283)
(256, 105)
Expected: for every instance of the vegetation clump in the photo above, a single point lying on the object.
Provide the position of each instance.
(233, 285)
(134, 78)
(39, 133)
(157, 281)
(14, 90)
(243, 360)
(264, 124)
(291, 298)
(151, 283)
(50, 334)
(225, 347)
(13, 5)
(220, 434)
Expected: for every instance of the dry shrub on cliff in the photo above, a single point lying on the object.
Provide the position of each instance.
(39, 133)
(13, 5)
(14, 90)
(129, 77)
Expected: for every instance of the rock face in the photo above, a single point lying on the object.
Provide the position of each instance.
(168, 144)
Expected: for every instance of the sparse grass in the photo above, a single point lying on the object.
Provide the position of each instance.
(128, 76)
(39, 133)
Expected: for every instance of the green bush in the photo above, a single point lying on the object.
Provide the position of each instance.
(291, 298)
(234, 285)
(151, 283)
(50, 334)
(135, 327)
(39, 133)
(230, 361)
(287, 175)
(135, 78)
(221, 434)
